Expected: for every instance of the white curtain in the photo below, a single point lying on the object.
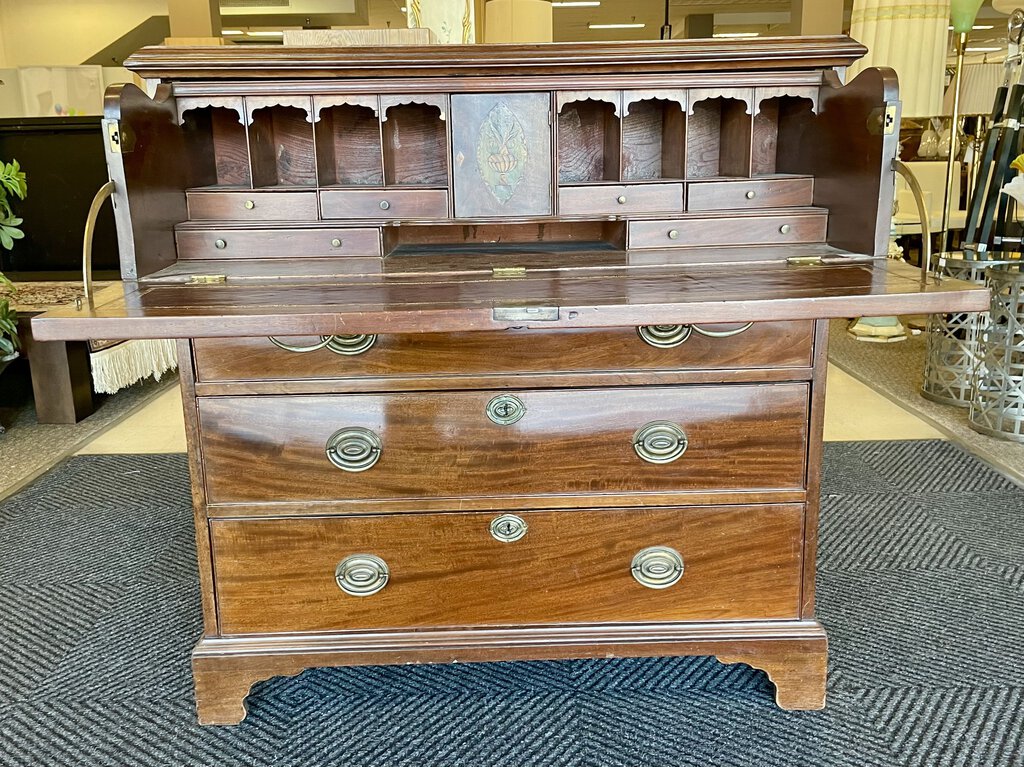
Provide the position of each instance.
(912, 38)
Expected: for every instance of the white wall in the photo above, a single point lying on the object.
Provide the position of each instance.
(66, 32)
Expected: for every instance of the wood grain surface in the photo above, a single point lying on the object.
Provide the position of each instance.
(447, 570)
(430, 355)
(588, 142)
(415, 146)
(444, 444)
(281, 147)
(348, 146)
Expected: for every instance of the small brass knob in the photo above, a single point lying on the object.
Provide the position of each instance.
(785, 228)
(673, 234)
(335, 243)
(657, 567)
(249, 204)
(354, 449)
(361, 575)
(384, 204)
(621, 199)
(508, 528)
(220, 244)
(660, 442)
(751, 194)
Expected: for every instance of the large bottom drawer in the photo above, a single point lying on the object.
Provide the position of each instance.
(464, 569)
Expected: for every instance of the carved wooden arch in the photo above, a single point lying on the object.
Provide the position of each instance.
(321, 103)
(563, 98)
(232, 103)
(696, 95)
(677, 95)
(807, 93)
(438, 100)
(254, 103)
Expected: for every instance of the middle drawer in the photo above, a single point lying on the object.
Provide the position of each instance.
(509, 445)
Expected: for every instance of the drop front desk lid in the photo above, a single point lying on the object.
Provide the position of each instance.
(409, 303)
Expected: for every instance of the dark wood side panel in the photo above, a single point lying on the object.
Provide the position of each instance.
(146, 164)
(447, 570)
(436, 445)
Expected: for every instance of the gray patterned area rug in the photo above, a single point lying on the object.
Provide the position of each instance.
(921, 587)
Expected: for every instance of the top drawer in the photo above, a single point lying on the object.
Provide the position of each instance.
(620, 199)
(427, 356)
(384, 203)
(252, 206)
(749, 194)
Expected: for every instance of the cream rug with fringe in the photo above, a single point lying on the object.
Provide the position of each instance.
(115, 364)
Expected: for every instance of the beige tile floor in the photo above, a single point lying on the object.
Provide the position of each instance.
(852, 412)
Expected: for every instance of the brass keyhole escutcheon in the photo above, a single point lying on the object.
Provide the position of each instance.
(508, 528)
(506, 409)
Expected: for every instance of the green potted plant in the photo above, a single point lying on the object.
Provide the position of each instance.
(12, 184)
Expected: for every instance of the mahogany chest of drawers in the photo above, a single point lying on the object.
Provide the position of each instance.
(503, 353)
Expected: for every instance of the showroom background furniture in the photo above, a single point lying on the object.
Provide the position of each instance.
(504, 352)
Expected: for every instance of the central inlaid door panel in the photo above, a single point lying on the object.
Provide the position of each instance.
(501, 154)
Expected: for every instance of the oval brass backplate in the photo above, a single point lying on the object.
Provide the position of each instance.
(506, 409)
(657, 567)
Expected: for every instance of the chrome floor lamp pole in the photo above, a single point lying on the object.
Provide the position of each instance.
(954, 133)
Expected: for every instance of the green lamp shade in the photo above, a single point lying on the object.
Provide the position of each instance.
(963, 13)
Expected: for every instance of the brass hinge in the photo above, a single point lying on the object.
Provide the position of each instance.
(508, 271)
(525, 313)
(804, 261)
(207, 279)
(113, 136)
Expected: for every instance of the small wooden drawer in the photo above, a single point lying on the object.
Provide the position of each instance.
(428, 356)
(743, 194)
(384, 203)
(252, 206)
(433, 570)
(277, 243)
(495, 444)
(726, 231)
(598, 199)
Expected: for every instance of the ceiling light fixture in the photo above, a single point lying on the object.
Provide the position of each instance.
(976, 27)
(262, 33)
(983, 50)
(616, 26)
(575, 3)
(226, 32)
(737, 34)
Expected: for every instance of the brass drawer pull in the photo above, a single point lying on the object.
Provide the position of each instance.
(664, 336)
(660, 442)
(361, 575)
(785, 229)
(347, 346)
(673, 234)
(751, 194)
(722, 333)
(506, 409)
(249, 204)
(384, 204)
(220, 244)
(621, 199)
(508, 528)
(657, 567)
(354, 449)
(336, 243)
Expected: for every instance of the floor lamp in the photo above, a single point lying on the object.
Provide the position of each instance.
(962, 14)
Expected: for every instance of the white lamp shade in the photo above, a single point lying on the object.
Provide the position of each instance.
(912, 39)
(1006, 6)
(978, 90)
